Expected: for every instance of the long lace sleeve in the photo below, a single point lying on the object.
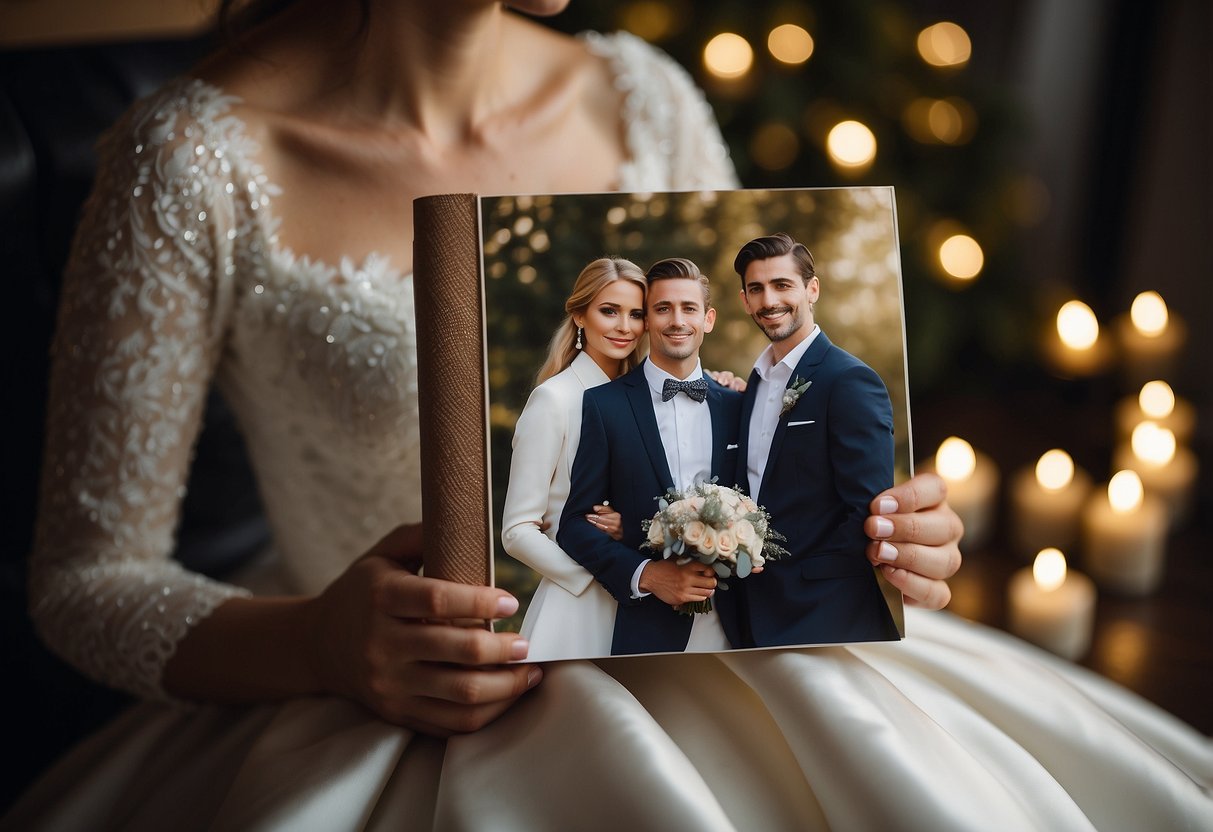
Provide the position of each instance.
(672, 134)
(145, 299)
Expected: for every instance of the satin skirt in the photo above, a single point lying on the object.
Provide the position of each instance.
(957, 727)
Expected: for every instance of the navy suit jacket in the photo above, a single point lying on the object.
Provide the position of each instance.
(831, 454)
(621, 459)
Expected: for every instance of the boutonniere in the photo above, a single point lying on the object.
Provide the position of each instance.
(793, 393)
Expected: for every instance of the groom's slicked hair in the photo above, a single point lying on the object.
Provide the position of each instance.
(681, 268)
(776, 245)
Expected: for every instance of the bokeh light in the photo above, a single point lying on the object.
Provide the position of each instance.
(955, 460)
(1153, 443)
(945, 44)
(790, 44)
(1077, 326)
(652, 21)
(851, 144)
(1125, 492)
(1149, 314)
(961, 257)
(1054, 470)
(1049, 569)
(1157, 399)
(728, 56)
(774, 146)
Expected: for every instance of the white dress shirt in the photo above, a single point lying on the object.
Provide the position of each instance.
(685, 426)
(772, 380)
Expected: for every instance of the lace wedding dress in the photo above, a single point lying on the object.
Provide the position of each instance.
(178, 281)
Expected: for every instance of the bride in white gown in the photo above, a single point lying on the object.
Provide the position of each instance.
(246, 230)
(570, 615)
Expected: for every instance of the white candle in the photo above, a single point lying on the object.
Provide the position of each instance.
(1167, 470)
(1074, 347)
(1124, 532)
(1151, 338)
(1051, 608)
(972, 480)
(1156, 402)
(1046, 502)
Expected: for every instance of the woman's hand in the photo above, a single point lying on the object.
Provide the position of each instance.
(408, 647)
(727, 378)
(606, 519)
(915, 540)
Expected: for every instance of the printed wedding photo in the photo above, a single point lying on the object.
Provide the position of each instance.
(693, 399)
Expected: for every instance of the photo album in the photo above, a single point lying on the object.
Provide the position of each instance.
(664, 414)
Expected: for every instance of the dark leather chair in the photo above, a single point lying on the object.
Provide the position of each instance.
(53, 104)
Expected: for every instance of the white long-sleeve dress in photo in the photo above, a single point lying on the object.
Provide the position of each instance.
(571, 615)
(178, 281)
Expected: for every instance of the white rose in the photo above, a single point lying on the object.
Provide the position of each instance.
(747, 536)
(657, 534)
(708, 544)
(693, 532)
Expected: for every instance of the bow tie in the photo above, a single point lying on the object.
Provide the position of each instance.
(696, 389)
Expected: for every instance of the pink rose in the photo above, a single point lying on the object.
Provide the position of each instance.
(708, 545)
(693, 533)
(726, 544)
(657, 534)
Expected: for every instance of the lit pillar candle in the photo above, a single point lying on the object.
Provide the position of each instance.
(1046, 502)
(1124, 532)
(1167, 470)
(972, 480)
(1150, 338)
(1074, 347)
(1157, 403)
(1052, 607)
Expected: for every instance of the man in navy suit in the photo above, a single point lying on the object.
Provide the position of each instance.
(663, 425)
(816, 445)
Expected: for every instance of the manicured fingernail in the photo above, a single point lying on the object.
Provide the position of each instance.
(884, 527)
(507, 605)
(533, 676)
(519, 648)
(887, 552)
(887, 505)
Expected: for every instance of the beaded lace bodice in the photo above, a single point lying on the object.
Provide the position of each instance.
(177, 281)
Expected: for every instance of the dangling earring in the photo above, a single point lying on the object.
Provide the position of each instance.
(578, 344)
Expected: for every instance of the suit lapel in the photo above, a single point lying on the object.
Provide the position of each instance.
(641, 400)
(805, 368)
(719, 428)
(743, 434)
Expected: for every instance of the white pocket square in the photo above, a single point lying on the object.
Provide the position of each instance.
(730, 447)
(794, 424)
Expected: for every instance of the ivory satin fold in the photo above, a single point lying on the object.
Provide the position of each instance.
(957, 727)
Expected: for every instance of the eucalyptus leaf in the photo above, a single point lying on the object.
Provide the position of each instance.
(744, 566)
(722, 570)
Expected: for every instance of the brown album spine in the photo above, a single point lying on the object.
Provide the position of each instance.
(452, 388)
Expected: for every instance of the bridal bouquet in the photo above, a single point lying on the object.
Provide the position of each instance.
(717, 526)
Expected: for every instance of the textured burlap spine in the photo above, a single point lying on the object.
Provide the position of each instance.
(451, 387)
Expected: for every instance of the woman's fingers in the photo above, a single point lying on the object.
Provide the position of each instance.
(916, 590)
(933, 562)
(925, 490)
(443, 642)
(474, 686)
(403, 595)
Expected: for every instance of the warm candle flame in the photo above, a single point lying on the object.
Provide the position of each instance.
(1157, 399)
(955, 459)
(1049, 569)
(1149, 314)
(728, 55)
(1125, 492)
(1054, 470)
(851, 144)
(1153, 443)
(1077, 326)
(961, 256)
